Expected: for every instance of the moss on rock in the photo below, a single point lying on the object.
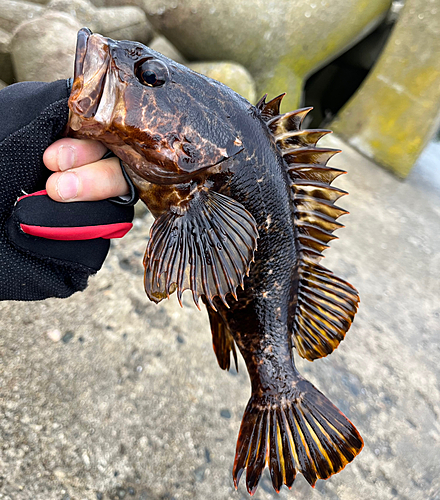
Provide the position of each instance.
(280, 43)
(396, 111)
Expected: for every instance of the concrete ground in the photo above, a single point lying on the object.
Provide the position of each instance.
(130, 404)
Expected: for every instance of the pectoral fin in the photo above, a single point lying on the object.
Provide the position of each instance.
(206, 246)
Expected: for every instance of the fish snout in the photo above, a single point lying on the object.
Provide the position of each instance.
(94, 89)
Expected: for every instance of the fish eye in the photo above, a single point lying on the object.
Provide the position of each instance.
(151, 72)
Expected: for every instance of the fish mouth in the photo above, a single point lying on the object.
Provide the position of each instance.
(81, 48)
(91, 96)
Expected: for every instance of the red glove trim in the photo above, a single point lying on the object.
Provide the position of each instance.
(106, 231)
(37, 193)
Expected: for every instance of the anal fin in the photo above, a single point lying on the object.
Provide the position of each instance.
(222, 340)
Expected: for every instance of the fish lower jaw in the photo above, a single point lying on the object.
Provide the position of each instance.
(84, 128)
(75, 122)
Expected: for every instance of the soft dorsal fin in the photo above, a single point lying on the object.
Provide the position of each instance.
(326, 304)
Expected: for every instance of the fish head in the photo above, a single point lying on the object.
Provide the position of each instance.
(166, 122)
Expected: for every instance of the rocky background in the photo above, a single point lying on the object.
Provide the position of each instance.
(105, 396)
(318, 51)
(37, 40)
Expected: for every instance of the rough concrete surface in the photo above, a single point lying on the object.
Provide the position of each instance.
(107, 396)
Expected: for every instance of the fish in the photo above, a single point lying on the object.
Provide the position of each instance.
(244, 206)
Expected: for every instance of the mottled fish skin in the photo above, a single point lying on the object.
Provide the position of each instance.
(210, 167)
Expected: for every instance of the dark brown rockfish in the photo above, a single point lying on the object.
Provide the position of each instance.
(221, 175)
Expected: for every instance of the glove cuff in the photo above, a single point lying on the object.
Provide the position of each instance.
(132, 198)
(39, 215)
(76, 233)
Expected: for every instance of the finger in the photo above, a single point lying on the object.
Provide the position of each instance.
(97, 181)
(72, 153)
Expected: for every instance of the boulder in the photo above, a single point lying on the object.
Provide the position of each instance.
(51, 37)
(116, 3)
(82, 10)
(129, 23)
(125, 23)
(395, 112)
(280, 43)
(6, 69)
(3, 84)
(162, 45)
(140, 210)
(14, 12)
(231, 74)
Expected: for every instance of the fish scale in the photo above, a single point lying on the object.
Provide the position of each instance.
(243, 208)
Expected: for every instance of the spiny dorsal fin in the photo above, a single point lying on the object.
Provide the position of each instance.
(261, 103)
(300, 138)
(309, 155)
(270, 109)
(288, 122)
(317, 173)
(326, 304)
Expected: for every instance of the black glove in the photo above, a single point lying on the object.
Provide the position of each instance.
(47, 249)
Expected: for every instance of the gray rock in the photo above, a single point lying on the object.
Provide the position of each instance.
(140, 209)
(231, 74)
(5, 41)
(125, 23)
(51, 35)
(121, 23)
(165, 47)
(14, 12)
(6, 68)
(280, 43)
(117, 3)
(44, 49)
(82, 10)
(3, 84)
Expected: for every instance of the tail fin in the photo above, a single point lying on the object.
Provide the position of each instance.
(303, 432)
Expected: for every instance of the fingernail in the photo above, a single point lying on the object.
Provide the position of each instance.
(67, 186)
(66, 157)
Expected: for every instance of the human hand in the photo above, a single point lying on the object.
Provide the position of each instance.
(49, 249)
(80, 173)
